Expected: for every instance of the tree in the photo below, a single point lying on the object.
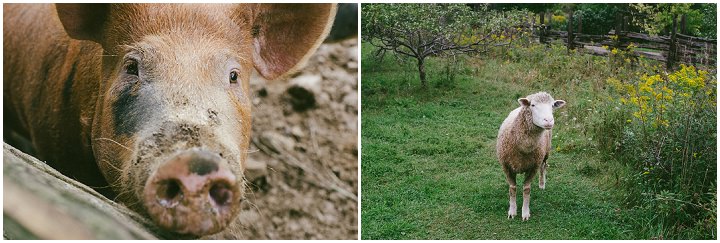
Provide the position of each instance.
(657, 19)
(422, 30)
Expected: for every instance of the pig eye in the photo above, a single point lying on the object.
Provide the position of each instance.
(131, 67)
(533, 105)
(233, 77)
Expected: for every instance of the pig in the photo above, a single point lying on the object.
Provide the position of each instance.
(150, 103)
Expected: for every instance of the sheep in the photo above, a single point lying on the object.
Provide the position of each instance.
(523, 145)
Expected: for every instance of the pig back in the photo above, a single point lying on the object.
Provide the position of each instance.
(49, 89)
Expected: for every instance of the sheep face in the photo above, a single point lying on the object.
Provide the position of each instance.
(541, 106)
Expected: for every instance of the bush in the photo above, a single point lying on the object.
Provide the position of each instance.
(662, 126)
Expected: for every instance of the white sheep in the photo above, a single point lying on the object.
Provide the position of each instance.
(523, 144)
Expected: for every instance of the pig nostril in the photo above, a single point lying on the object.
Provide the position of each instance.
(169, 193)
(220, 193)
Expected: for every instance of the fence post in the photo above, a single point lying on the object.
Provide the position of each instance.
(683, 25)
(571, 36)
(579, 28)
(543, 28)
(672, 52)
(618, 29)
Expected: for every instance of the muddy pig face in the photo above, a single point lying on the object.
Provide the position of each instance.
(172, 120)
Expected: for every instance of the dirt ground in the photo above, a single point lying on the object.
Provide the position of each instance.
(303, 163)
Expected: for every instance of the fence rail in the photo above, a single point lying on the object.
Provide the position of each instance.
(673, 49)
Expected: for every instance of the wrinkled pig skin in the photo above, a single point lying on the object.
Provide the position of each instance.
(149, 103)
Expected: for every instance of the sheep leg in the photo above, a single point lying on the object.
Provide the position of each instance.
(512, 210)
(526, 194)
(543, 173)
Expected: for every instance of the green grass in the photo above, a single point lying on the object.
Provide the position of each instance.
(429, 169)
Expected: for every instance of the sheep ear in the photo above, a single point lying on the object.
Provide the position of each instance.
(559, 103)
(83, 21)
(286, 35)
(524, 102)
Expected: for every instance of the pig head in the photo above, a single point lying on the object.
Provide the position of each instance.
(163, 93)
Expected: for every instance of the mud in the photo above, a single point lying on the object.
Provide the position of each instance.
(303, 161)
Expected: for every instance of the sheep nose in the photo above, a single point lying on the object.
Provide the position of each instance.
(549, 122)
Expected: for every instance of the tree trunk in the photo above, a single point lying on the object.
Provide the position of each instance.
(41, 203)
(421, 70)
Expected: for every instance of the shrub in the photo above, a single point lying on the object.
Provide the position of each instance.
(665, 132)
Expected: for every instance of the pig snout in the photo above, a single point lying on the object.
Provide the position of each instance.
(193, 193)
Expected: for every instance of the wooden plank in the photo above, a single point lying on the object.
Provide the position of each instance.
(632, 36)
(651, 55)
(41, 203)
(697, 44)
(688, 49)
(697, 39)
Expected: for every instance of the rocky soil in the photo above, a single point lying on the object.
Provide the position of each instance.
(303, 163)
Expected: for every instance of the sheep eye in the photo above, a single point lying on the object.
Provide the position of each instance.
(131, 67)
(233, 77)
(533, 105)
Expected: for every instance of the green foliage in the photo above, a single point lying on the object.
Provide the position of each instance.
(666, 133)
(430, 19)
(421, 30)
(657, 19)
(597, 18)
(532, 7)
(559, 22)
(600, 18)
(708, 22)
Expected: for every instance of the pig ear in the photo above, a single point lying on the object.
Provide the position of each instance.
(83, 21)
(524, 102)
(558, 103)
(286, 35)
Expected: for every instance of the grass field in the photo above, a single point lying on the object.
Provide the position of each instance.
(429, 169)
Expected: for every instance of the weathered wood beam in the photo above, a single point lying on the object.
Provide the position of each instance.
(41, 203)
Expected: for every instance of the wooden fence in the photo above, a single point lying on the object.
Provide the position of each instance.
(673, 49)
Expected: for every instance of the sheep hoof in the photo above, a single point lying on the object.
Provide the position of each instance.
(542, 186)
(511, 215)
(526, 217)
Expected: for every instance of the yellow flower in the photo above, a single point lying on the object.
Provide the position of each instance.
(634, 100)
(630, 89)
(665, 123)
(667, 90)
